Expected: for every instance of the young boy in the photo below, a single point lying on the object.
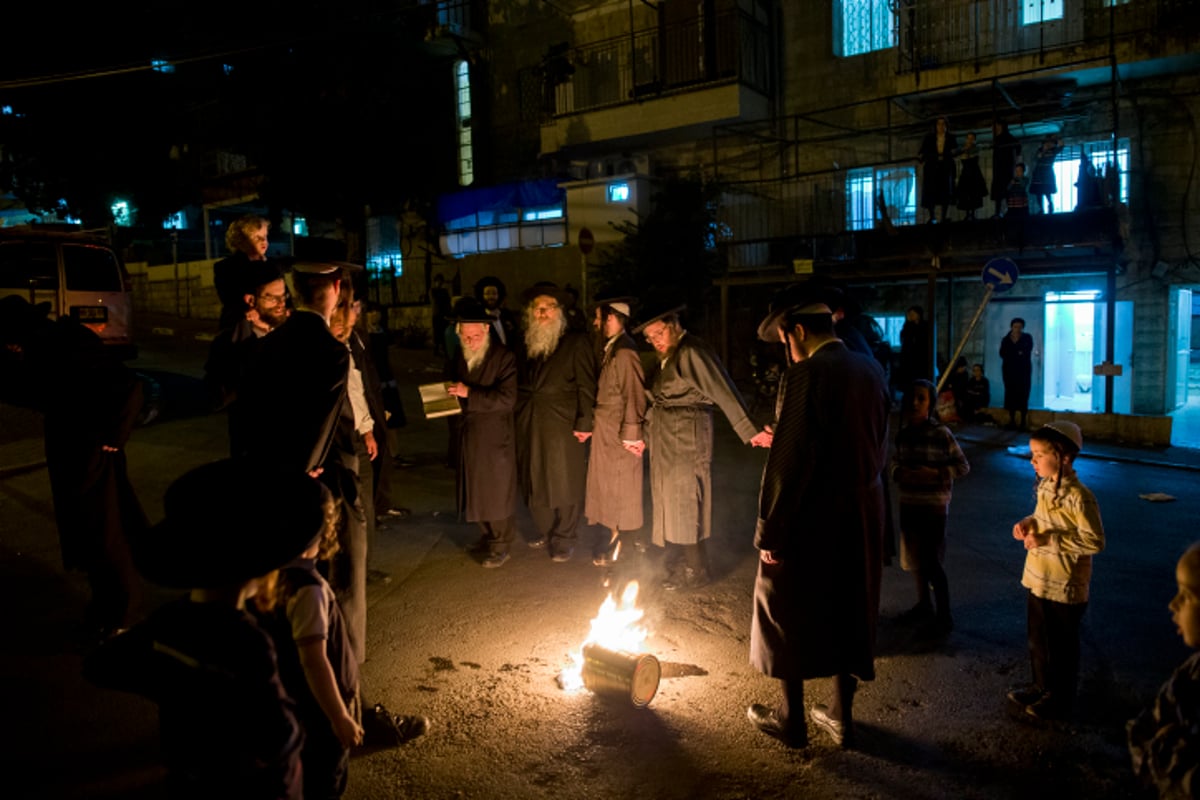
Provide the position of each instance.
(978, 396)
(1164, 740)
(1060, 537)
(225, 721)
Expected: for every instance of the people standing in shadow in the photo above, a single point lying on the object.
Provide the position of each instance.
(971, 186)
(439, 295)
(914, 348)
(1016, 355)
(1042, 184)
(936, 157)
(978, 396)
(1006, 154)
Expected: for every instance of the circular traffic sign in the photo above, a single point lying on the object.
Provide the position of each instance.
(586, 241)
(1001, 274)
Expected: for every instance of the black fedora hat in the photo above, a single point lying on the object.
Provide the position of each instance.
(660, 303)
(547, 289)
(229, 521)
(469, 309)
(797, 299)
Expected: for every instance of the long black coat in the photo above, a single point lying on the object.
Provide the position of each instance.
(821, 512)
(487, 450)
(294, 395)
(1017, 370)
(556, 396)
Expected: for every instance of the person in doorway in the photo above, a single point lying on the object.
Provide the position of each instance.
(926, 462)
(820, 523)
(556, 398)
(1043, 185)
(1060, 537)
(1016, 356)
(684, 388)
(914, 349)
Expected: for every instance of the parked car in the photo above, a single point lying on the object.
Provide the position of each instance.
(77, 273)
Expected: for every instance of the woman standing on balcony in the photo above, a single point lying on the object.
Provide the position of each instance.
(971, 186)
(1043, 183)
(937, 157)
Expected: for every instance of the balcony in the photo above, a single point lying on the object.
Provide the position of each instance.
(667, 82)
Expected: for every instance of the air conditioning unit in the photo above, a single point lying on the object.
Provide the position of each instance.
(623, 164)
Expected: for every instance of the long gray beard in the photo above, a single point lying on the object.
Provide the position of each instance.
(475, 357)
(541, 340)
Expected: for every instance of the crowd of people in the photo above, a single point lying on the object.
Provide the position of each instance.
(272, 628)
(951, 175)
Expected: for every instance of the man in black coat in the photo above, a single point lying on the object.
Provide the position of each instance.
(820, 522)
(556, 397)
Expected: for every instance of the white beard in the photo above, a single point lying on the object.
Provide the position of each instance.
(542, 340)
(475, 357)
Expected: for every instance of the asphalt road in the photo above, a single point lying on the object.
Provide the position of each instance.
(479, 650)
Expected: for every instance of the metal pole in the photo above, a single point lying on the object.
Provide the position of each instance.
(175, 261)
(987, 295)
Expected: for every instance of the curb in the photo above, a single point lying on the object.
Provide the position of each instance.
(1149, 461)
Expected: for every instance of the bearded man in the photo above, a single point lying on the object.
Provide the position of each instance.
(688, 383)
(556, 395)
(264, 308)
(483, 376)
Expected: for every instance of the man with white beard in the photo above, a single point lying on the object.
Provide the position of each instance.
(483, 376)
(556, 395)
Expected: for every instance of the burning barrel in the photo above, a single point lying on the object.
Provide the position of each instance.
(618, 673)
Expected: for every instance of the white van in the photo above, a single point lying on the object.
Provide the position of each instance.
(77, 273)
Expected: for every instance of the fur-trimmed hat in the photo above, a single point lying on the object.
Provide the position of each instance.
(659, 304)
(795, 300)
(229, 521)
(470, 309)
(547, 289)
(490, 280)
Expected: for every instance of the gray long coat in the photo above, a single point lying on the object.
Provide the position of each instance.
(555, 398)
(821, 512)
(487, 468)
(614, 480)
(683, 392)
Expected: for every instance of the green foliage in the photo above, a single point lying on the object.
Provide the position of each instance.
(671, 247)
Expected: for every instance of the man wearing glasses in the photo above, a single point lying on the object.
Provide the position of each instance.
(264, 308)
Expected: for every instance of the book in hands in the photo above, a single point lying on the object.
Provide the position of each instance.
(438, 402)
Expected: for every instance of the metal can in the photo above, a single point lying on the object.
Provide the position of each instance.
(616, 672)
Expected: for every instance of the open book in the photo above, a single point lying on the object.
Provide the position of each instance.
(437, 402)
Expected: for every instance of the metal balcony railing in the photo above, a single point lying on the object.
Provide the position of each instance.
(938, 33)
(659, 61)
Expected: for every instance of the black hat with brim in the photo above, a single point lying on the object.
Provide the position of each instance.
(797, 299)
(260, 273)
(610, 296)
(658, 305)
(230, 521)
(469, 309)
(546, 289)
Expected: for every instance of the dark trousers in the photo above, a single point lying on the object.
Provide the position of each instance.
(924, 532)
(348, 570)
(1054, 645)
(498, 534)
(326, 762)
(558, 525)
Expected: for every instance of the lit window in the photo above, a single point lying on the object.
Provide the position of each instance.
(896, 187)
(618, 193)
(122, 214)
(1111, 174)
(386, 263)
(864, 25)
(161, 65)
(227, 69)
(299, 226)
(891, 324)
(1035, 11)
(175, 222)
(533, 215)
(1081, 296)
(462, 89)
(6, 110)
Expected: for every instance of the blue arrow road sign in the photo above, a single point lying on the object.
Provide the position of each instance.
(1000, 274)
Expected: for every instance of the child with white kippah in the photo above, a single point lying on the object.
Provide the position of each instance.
(1060, 538)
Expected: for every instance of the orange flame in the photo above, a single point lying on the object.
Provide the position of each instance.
(616, 627)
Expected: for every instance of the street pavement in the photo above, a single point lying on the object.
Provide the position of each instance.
(933, 724)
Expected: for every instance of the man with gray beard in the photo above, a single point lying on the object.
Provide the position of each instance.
(483, 376)
(556, 395)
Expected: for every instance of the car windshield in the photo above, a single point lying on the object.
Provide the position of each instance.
(91, 269)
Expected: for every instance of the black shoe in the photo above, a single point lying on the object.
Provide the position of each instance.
(378, 576)
(937, 628)
(687, 578)
(561, 553)
(382, 728)
(919, 613)
(767, 720)
(602, 560)
(1024, 695)
(393, 514)
(1047, 708)
(402, 462)
(537, 543)
(494, 560)
(836, 729)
